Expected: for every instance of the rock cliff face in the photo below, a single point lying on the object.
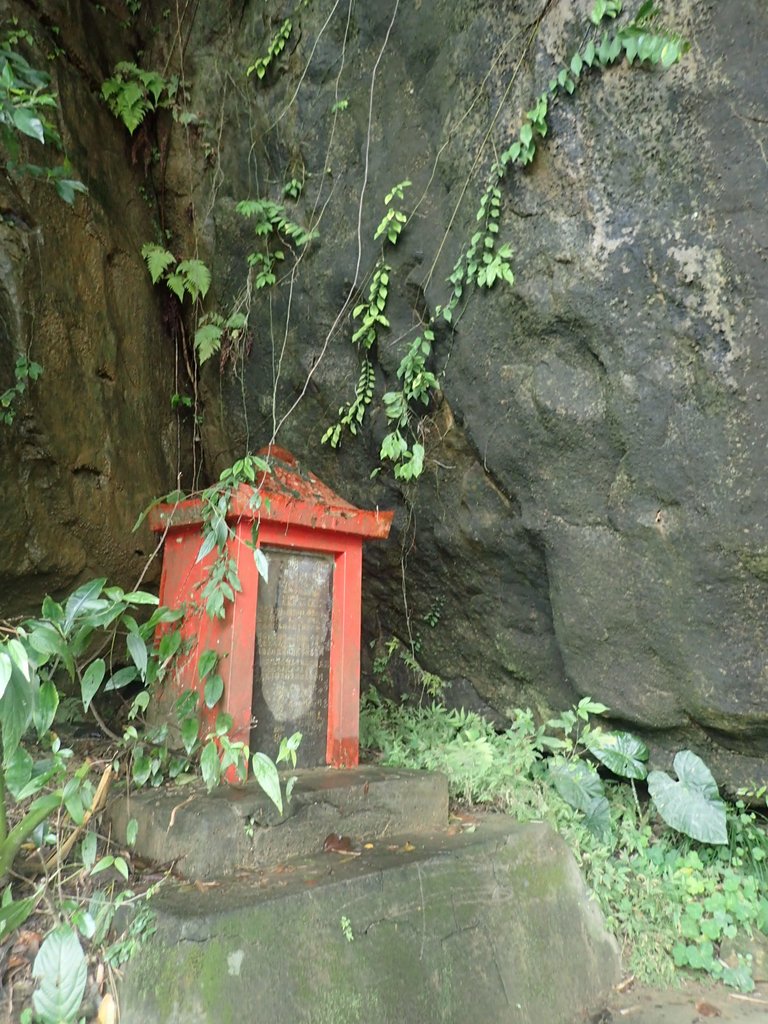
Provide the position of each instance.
(590, 517)
(92, 441)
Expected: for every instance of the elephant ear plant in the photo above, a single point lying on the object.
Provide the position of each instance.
(691, 804)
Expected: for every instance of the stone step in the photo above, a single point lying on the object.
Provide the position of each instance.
(213, 835)
(442, 928)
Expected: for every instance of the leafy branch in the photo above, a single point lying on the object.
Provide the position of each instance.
(370, 317)
(24, 371)
(276, 46)
(25, 102)
(271, 222)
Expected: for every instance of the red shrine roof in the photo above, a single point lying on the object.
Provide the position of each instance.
(288, 494)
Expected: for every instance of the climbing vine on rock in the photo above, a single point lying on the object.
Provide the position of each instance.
(486, 260)
(369, 317)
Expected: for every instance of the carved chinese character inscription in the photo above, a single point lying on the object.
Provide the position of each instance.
(292, 656)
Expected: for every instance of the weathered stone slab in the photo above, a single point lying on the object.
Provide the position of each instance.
(443, 929)
(216, 834)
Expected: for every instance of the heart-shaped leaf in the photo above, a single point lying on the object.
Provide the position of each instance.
(577, 783)
(61, 972)
(620, 752)
(692, 805)
(265, 773)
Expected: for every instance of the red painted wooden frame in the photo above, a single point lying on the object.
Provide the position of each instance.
(297, 511)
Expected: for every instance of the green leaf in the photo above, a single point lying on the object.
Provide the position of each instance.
(73, 798)
(103, 865)
(94, 676)
(207, 341)
(620, 752)
(6, 668)
(47, 640)
(13, 913)
(265, 773)
(141, 769)
(223, 723)
(61, 972)
(209, 543)
(141, 597)
(83, 599)
(67, 188)
(214, 689)
(210, 766)
(47, 703)
(132, 832)
(121, 678)
(177, 284)
(88, 850)
(577, 783)
(138, 652)
(262, 564)
(597, 817)
(18, 772)
(20, 658)
(26, 122)
(692, 805)
(288, 748)
(121, 867)
(16, 711)
(169, 645)
(197, 275)
(207, 662)
(52, 610)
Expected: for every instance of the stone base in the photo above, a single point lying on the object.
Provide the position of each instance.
(446, 928)
(213, 835)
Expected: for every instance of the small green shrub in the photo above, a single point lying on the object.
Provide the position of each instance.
(671, 900)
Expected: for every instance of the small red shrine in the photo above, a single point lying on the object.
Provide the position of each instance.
(289, 646)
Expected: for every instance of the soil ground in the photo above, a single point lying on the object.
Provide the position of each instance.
(692, 1004)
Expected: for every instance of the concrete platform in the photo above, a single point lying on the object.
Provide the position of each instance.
(450, 927)
(213, 835)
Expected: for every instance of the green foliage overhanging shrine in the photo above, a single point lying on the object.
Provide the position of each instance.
(485, 260)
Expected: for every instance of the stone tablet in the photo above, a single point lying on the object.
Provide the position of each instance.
(292, 653)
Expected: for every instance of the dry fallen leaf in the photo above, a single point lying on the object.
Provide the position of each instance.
(707, 1009)
(23, 951)
(335, 843)
(408, 847)
(107, 1010)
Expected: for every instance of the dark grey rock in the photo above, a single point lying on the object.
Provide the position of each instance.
(493, 925)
